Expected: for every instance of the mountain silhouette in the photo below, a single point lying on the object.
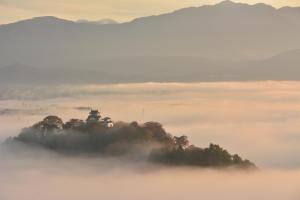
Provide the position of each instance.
(203, 43)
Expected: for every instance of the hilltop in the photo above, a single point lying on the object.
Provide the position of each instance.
(103, 137)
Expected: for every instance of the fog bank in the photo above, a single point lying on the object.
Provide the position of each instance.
(258, 120)
(48, 176)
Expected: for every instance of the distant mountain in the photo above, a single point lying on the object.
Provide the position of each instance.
(285, 66)
(159, 69)
(191, 44)
(99, 22)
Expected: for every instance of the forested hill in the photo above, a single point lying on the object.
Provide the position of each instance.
(147, 141)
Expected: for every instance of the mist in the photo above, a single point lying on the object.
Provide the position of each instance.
(45, 175)
(258, 120)
(198, 103)
(224, 42)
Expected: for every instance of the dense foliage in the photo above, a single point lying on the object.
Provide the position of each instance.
(126, 139)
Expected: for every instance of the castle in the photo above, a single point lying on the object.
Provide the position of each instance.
(56, 123)
(95, 117)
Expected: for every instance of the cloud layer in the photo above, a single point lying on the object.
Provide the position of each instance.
(260, 120)
(48, 176)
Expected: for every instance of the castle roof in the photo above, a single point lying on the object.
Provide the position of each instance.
(93, 112)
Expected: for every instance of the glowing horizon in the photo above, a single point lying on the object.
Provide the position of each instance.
(123, 10)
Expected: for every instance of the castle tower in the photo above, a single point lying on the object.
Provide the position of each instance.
(94, 116)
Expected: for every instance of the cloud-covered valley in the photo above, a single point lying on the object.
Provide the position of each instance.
(259, 120)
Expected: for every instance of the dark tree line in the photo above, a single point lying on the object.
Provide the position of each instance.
(125, 139)
(213, 156)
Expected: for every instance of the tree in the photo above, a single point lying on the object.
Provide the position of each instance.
(52, 122)
(73, 123)
(181, 142)
(236, 159)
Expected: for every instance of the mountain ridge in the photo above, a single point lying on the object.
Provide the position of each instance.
(222, 4)
(282, 67)
(223, 33)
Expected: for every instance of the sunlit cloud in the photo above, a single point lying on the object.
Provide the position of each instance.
(257, 119)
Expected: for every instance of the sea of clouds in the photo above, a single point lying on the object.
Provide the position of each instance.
(44, 175)
(258, 120)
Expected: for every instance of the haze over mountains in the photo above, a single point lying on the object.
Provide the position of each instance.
(99, 22)
(227, 41)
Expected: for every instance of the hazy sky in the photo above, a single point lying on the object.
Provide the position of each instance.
(121, 10)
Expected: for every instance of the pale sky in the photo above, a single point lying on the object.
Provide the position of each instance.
(120, 10)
